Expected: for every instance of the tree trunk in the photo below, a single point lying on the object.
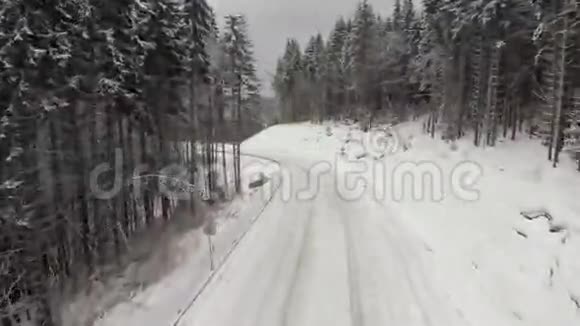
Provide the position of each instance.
(124, 195)
(146, 191)
(131, 159)
(193, 138)
(560, 92)
(113, 207)
(507, 116)
(58, 197)
(237, 155)
(490, 114)
(225, 169)
(477, 63)
(81, 174)
(515, 113)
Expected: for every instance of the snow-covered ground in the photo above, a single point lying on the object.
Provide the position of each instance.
(159, 303)
(339, 247)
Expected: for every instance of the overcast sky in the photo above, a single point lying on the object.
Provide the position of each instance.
(272, 21)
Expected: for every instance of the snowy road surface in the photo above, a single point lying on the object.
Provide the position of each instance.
(323, 261)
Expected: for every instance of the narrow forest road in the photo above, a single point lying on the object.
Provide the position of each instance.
(323, 261)
(320, 258)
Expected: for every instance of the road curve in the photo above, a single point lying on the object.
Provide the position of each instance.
(323, 261)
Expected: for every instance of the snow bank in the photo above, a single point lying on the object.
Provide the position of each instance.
(497, 267)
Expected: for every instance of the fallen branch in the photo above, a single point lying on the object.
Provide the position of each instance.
(363, 155)
(521, 234)
(532, 215)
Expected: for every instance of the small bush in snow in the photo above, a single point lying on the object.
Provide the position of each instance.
(328, 131)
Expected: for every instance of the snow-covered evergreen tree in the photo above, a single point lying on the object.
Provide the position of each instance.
(398, 17)
(408, 17)
(240, 69)
(293, 80)
(363, 51)
(240, 75)
(335, 69)
(200, 23)
(314, 61)
(80, 78)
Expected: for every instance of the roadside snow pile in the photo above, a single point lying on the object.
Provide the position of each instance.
(525, 268)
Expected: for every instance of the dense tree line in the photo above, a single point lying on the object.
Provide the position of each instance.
(362, 67)
(487, 68)
(82, 81)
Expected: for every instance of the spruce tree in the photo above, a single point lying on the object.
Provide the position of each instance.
(240, 75)
(362, 52)
(398, 17)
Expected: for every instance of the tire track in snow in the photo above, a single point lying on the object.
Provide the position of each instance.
(291, 292)
(406, 271)
(283, 261)
(356, 313)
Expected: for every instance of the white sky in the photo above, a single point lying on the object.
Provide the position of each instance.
(272, 21)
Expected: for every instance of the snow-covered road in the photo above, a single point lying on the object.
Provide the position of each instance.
(378, 260)
(323, 261)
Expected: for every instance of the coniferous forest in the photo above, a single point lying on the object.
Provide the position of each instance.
(106, 95)
(488, 69)
(120, 120)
